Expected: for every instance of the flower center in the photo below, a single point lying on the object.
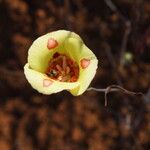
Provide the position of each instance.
(62, 68)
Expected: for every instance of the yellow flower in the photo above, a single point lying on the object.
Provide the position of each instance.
(60, 61)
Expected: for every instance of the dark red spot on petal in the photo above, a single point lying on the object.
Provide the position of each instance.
(52, 43)
(85, 63)
(47, 82)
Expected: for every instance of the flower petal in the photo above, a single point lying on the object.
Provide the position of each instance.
(87, 62)
(77, 49)
(44, 84)
(76, 36)
(85, 78)
(44, 47)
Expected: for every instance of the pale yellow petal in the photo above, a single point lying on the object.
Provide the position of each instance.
(36, 79)
(39, 54)
(79, 51)
(85, 78)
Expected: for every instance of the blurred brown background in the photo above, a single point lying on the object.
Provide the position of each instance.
(119, 35)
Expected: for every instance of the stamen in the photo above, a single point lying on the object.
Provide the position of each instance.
(62, 68)
(64, 63)
(65, 78)
(59, 78)
(67, 70)
(59, 68)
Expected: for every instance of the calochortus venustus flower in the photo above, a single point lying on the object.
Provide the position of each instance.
(60, 61)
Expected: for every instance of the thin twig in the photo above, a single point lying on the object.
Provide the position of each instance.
(124, 42)
(100, 90)
(114, 88)
(110, 56)
(147, 97)
(67, 14)
(127, 31)
(112, 62)
(113, 8)
(111, 5)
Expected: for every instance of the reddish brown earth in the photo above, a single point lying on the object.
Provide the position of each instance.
(32, 121)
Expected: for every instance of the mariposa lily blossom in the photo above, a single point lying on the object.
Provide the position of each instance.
(60, 61)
